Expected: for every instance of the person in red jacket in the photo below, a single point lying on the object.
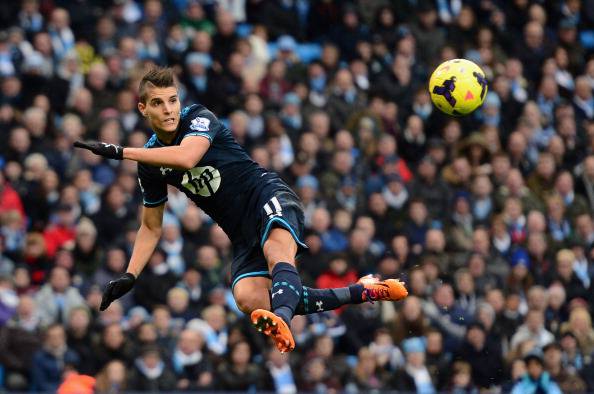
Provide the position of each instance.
(62, 232)
(338, 274)
(9, 198)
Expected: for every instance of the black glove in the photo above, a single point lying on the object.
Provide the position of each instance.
(111, 151)
(116, 288)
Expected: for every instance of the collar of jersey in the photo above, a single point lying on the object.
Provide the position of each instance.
(176, 139)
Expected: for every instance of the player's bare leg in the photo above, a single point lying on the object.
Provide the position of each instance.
(280, 250)
(252, 293)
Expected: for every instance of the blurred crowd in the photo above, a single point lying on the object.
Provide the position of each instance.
(488, 218)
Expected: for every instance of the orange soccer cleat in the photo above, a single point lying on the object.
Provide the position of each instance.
(382, 290)
(275, 327)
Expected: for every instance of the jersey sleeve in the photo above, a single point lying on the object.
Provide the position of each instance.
(201, 122)
(153, 187)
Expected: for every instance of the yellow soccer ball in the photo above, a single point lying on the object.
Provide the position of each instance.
(458, 87)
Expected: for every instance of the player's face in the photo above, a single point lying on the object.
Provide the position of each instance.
(162, 109)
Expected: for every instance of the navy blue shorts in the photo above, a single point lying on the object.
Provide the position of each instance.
(276, 206)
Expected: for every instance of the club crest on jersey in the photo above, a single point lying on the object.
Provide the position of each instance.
(200, 124)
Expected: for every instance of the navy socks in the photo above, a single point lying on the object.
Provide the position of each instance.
(288, 297)
(320, 300)
(286, 291)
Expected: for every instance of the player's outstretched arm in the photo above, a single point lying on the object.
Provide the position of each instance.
(146, 241)
(183, 156)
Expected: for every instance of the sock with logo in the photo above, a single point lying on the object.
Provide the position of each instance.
(286, 291)
(321, 300)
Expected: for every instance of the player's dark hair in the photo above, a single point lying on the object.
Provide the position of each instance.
(160, 77)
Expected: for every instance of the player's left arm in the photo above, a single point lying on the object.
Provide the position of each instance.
(183, 156)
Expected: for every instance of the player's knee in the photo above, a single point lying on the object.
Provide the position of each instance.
(252, 293)
(248, 302)
(250, 298)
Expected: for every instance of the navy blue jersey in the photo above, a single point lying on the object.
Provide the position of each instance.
(225, 183)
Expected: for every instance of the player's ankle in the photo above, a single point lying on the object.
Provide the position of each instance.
(284, 313)
(356, 291)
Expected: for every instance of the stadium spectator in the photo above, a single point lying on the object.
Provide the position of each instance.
(535, 378)
(190, 364)
(50, 361)
(113, 377)
(18, 345)
(451, 319)
(151, 373)
(79, 339)
(567, 380)
(414, 376)
(533, 329)
(240, 374)
(112, 346)
(483, 356)
(57, 298)
(367, 375)
(278, 374)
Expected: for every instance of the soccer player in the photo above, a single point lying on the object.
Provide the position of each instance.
(193, 151)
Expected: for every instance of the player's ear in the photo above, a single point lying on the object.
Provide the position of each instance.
(142, 108)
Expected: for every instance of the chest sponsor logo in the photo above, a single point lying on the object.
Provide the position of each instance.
(203, 181)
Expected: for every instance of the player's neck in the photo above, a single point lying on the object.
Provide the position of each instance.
(165, 136)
